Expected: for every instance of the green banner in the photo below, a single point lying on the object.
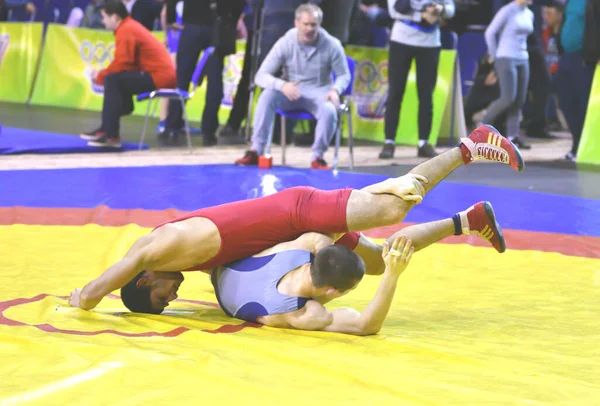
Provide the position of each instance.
(370, 91)
(20, 45)
(71, 54)
(589, 146)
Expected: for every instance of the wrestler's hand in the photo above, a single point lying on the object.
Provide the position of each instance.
(410, 189)
(74, 298)
(397, 257)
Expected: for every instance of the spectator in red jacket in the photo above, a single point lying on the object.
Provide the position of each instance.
(141, 64)
(552, 21)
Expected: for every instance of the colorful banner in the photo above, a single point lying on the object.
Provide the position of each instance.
(83, 51)
(370, 95)
(20, 45)
(589, 146)
(72, 54)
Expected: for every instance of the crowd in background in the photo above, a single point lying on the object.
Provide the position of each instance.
(534, 78)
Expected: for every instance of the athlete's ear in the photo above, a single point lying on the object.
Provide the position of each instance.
(330, 291)
(144, 280)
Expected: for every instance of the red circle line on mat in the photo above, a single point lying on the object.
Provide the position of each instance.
(48, 328)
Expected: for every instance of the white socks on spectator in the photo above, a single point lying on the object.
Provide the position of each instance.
(422, 142)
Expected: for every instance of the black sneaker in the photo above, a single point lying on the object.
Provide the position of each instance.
(388, 151)
(426, 151)
(93, 135)
(169, 138)
(106, 142)
(520, 143)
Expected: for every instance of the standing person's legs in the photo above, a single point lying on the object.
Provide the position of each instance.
(514, 111)
(574, 84)
(214, 97)
(507, 79)
(584, 88)
(540, 91)
(239, 110)
(164, 103)
(427, 61)
(194, 38)
(399, 60)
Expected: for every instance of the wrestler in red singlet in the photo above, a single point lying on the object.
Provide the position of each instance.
(250, 226)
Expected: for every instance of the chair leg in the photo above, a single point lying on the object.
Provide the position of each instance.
(338, 136)
(350, 137)
(145, 127)
(283, 141)
(185, 121)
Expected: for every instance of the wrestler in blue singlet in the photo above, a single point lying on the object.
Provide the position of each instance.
(247, 289)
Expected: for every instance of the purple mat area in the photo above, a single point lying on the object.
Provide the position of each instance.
(25, 141)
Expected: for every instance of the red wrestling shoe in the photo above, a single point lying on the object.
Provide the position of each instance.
(250, 158)
(485, 142)
(480, 220)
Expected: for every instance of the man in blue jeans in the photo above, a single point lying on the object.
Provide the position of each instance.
(309, 54)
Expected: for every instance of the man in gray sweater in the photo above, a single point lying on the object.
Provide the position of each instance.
(308, 55)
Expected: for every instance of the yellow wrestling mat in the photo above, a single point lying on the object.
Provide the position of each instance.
(468, 326)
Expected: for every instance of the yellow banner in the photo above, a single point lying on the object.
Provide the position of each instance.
(19, 51)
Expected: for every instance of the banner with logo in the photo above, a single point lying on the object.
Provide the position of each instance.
(20, 45)
(71, 55)
(370, 92)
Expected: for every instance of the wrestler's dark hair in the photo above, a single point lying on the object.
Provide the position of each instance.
(117, 7)
(338, 267)
(136, 298)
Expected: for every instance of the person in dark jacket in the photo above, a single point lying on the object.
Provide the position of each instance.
(579, 46)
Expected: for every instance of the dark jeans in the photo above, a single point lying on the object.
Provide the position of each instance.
(574, 86)
(540, 86)
(119, 89)
(239, 110)
(194, 39)
(400, 59)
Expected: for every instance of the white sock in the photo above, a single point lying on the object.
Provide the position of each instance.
(464, 221)
(390, 142)
(422, 142)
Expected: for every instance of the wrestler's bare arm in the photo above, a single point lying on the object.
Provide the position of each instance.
(170, 248)
(314, 316)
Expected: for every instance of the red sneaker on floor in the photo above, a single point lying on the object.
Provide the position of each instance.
(249, 159)
(319, 163)
(485, 142)
(480, 220)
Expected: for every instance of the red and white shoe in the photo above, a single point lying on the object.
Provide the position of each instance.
(486, 143)
(480, 220)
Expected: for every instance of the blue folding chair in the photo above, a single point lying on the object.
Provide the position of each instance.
(344, 109)
(179, 94)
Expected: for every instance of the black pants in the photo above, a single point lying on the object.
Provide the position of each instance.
(119, 89)
(194, 39)
(239, 109)
(400, 59)
(575, 78)
(540, 85)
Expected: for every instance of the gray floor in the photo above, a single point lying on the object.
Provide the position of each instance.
(551, 177)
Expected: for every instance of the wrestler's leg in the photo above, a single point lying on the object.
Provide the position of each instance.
(484, 143)
(479, 220)
(434, 170)
(421, 235)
